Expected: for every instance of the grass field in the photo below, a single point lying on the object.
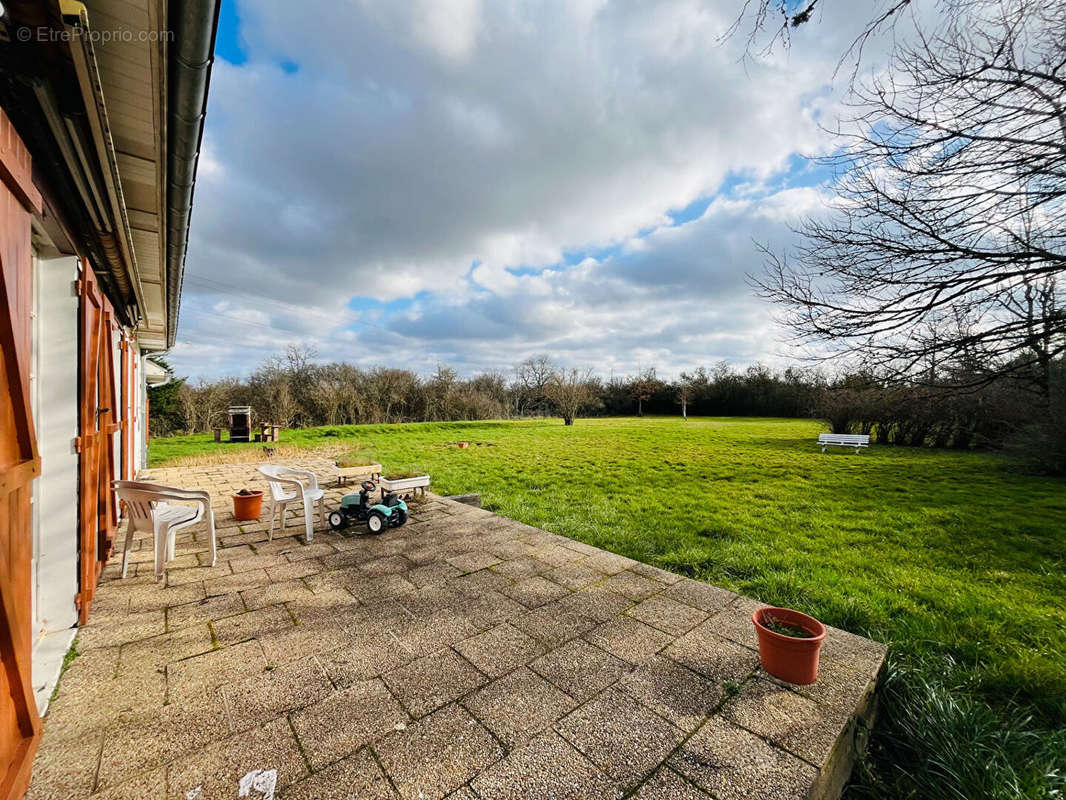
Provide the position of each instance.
(957, 560)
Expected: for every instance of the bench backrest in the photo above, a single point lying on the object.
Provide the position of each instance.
(844, 438)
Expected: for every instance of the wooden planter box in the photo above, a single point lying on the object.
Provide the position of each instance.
(418, 483)
(358, 471)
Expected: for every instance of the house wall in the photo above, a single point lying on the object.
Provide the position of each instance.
(56, 417)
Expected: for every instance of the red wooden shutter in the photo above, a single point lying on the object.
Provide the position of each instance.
(20, 727)
(98, 410)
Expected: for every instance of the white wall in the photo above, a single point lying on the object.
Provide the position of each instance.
(56, 420)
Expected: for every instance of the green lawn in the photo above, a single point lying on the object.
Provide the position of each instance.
(956, 559)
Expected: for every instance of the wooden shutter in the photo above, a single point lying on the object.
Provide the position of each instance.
(20, 727)
(98, 406)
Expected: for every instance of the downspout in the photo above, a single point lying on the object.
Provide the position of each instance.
(194, 23)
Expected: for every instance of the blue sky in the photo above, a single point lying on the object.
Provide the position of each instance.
(469, 182)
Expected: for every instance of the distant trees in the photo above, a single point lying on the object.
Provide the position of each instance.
(643, 387)
(294, 393)
(569, 391)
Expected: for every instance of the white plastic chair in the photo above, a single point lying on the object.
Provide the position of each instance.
(288, 485)
(148, 509)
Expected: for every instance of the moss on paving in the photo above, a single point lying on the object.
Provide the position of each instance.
(956, 559)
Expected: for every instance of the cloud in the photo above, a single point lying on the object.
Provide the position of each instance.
(512, 170)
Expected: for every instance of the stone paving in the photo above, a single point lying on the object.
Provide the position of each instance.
(465, 655)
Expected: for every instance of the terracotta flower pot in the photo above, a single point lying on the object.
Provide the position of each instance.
(247, 506)
(791, 658)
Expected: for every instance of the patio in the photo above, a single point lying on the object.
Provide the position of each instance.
(465, 655)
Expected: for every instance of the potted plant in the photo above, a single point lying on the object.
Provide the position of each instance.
(247, 504)
(405, 482)
(789, 642)
(356, 467)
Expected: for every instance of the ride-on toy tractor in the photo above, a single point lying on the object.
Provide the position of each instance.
(391, 512)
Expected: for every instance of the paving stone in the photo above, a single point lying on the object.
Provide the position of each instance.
(203, 611)
(499, 650)
(437, 754)
(66, 763)
(487, 609)
(144, 739)
(575, 575)
(610, 563)
(441, 629)
(667, 615)
(788, 719)
(518, 706)
(153, 597)
(357, 776)
(217, 770)
(119, 630)
(241, 627)
(254, 701)
(307, 638)
(293, 570)
(552, 625)
(365, 656)
(523, 567)
(329, 606)
(345, 720)
(436, 573)
(629, 584)
(237, 583)
(700, 595)
(368, 588)
(547, 768)
(709, 654)
(595, 601)
(535, 591)
(511, 549)
(191, 676)
(157, 652)
(556, 555)
(734, 622)
(432, 681)
(665, 784)
(151, 785)
(191, 574)
(473, 561)
(656, 574)
(274, 593)
(316, 549)
(732, 764)
(629, 639)
(389, 565)
(674, 692)
(580, 669)
(621, 736)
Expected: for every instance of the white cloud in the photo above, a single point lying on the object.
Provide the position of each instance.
(459, 152)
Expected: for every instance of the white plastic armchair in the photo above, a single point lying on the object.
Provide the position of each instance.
(288, 485)
(149, 508)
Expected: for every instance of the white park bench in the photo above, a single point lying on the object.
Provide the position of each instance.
(856, 440)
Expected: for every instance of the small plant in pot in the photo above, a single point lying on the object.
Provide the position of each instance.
(789, 643)
(247, 504)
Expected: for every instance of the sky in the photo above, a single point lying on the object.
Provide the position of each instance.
(471, 182)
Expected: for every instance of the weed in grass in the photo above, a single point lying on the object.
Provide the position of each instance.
(953, 558)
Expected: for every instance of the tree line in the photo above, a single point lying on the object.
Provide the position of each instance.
(293, 390)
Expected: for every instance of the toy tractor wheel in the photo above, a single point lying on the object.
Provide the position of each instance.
(376, 522)
(400, 517)
(337, 520)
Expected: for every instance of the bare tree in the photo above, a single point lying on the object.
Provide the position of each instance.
(950, 229)
(532, 377)
(569, 391)
(643, 386)
(688, 385)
